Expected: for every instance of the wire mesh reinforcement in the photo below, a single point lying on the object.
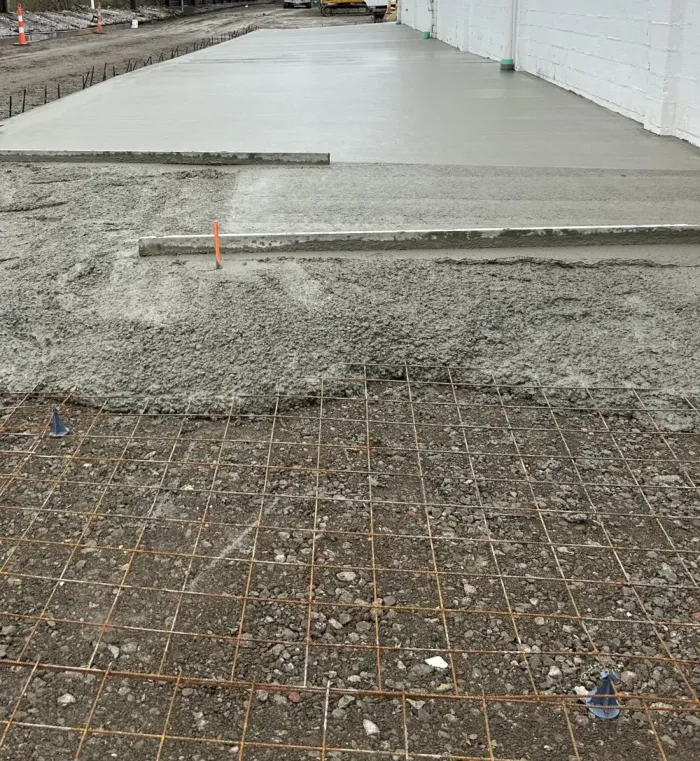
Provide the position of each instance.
(207, 586)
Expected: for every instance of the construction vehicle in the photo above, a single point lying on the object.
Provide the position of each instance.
(344, 7)
(381, 8)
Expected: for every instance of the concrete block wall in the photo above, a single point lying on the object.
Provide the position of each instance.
(475, 25)
(417, 13)
(488, 26)
(640, 58)
(599, 48)
(687, 108)
(450, 22)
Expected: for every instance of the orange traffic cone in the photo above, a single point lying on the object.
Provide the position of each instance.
(22, 39)
(99, 29)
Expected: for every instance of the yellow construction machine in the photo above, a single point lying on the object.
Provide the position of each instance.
(344, 7)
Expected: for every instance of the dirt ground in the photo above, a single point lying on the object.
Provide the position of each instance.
(66, 60)
(218, 586)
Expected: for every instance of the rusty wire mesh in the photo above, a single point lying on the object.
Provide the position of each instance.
(187, 585)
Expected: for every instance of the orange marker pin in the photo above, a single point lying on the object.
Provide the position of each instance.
(217, 247)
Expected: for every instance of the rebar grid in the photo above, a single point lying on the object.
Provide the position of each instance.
(300, 565)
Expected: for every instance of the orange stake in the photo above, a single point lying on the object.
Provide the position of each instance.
(22, 39)
(217, 247)
(99, 29)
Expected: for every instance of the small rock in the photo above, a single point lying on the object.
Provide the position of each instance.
(539, 621)
(114, 650)
(554, 672)
(346, 576)
(417, 704)
(437, 662)
(3, 651)
(261, 695)
(667, 479)
(370, 727)
(389, 601)
(294, 697)
(576, 518)
(666, 740)
(629, 678)
(66, 699)
(186, 692)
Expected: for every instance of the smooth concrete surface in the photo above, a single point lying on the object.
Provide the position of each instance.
(397, 240)
(200, 158)
(416, 196)
(366, 93)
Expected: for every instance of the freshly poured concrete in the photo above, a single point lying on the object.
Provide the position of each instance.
(377, 93)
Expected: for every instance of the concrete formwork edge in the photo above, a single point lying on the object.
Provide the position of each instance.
(216, 158)
(396, 240)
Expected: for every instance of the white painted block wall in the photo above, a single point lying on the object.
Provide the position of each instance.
(487, 28)
(687, 112)
(416, 14)
(599, 48)
(451, 22)
(640, 58)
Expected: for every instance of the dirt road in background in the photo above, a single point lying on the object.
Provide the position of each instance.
(65, 61)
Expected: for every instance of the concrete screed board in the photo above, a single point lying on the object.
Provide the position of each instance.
(366, 93)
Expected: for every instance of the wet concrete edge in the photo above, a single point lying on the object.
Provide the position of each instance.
(206, 158)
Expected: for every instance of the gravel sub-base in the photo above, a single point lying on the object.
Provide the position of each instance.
(218, 585)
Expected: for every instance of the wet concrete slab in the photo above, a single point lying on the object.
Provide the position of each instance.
(642, 255)
(377, 93)
(410, 196)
